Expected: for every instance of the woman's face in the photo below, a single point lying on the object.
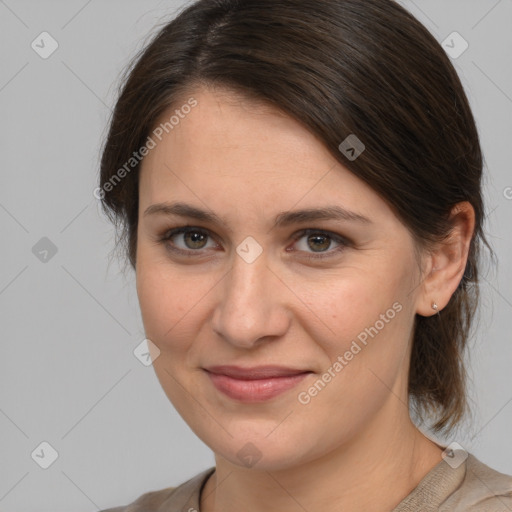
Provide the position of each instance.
(330, 299)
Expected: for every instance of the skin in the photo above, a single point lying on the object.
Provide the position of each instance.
(353, 446)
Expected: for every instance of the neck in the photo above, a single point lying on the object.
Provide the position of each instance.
(376, 470)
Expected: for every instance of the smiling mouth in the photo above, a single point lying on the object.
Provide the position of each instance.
(256, 384)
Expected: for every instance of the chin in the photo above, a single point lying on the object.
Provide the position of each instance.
(261, 458)
(260, 452)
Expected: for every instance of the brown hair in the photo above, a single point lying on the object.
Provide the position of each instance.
(340, 67)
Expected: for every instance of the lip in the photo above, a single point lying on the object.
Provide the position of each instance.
(255, 384)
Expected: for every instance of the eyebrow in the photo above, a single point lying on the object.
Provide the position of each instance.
(283, 219)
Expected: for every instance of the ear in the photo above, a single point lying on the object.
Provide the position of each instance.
(446, 261)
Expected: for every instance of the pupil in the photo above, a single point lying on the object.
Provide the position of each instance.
(196, 238)
(317, 238)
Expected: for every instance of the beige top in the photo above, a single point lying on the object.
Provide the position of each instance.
(470, 487)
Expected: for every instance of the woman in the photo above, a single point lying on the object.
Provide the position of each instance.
(299, 189)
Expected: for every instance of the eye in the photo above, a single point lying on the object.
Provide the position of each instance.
(186, 240)
(190, 240)
(319, 242)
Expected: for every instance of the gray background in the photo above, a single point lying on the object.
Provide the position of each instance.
(68, 375)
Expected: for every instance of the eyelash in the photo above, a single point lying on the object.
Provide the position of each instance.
(169, 234)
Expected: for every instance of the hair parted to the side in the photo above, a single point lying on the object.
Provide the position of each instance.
(340, 67)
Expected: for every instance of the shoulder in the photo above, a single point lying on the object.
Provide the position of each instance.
(483, 489)
(147, 502)
(160, 500)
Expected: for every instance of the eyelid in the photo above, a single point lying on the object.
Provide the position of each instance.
(312, 231)
(339, 239)
(169, 233)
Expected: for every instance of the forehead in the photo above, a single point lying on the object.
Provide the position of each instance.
(233, 152)
(227, 126)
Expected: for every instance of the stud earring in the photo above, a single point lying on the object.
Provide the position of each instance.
(434, 306)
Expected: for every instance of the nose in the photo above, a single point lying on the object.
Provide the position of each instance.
(251, 307)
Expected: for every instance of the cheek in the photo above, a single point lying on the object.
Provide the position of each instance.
(367, 324)
(350, 306)
(165, 302)
(365, 355)
(170, 306)
(174, 303)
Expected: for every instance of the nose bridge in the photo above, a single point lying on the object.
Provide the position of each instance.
(247, 310)
(247, 281)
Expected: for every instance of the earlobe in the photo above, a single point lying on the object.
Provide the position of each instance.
(447, 262)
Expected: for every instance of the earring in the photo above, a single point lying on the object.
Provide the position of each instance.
(434, 306)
